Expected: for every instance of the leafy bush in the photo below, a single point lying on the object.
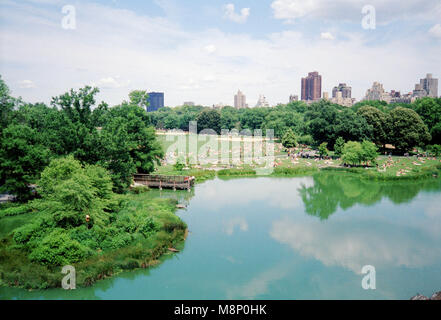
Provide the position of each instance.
(58, 249)
(140, 189)
(307, 140)
(14, 211)
(289, 139)
(355, 153)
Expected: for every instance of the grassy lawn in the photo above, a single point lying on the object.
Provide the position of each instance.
(388, 168)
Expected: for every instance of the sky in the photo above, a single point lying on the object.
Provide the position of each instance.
(205, 51)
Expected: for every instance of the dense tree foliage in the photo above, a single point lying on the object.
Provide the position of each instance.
(209, 120)
(323, 150)
(379, 122)
(327, 123)
(289, 139)
(120, 139)
(429, 110)
(356, 153)
(324, 122)
(407, 129)
(338, 147)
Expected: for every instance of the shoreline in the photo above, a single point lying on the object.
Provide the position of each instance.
(136, 257)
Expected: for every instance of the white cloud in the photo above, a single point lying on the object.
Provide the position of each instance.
(292, 9)
(350, 10)
(210, 49)
(26, 84)
(158, 55)
(231, 225)
(230, 13)
(111, 83)
(327, 36)
(435, 31)
(381, 244)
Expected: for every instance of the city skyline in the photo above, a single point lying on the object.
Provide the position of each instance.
(265, 50)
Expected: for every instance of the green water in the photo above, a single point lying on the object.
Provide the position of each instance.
(291, 238)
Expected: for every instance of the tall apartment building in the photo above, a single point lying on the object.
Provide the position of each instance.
(419, 91)
(377, 93)
(338, 99)
(262, 102)
(430, 85)
(155, 100)
(240, 100)
(346, 91)
(312, 87)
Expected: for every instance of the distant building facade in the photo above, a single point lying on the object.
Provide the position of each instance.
(293, 98)
(429, 85)
(218, 106)
(312, 87)
(346, 91)
(262, 102)
(156, 101)
(377, 93)
(189, 103)
(338, 99)
(240, 100)
(419, 92)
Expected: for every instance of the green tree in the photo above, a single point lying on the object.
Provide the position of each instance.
(139, 98)
(323, 150)
(289, 139)
(352, 153)
(209, 119)
(369, 152)
(429, 109)
(436, 133)
(338, 147)
(407, 129)
(378, 120)
(7, 104)
(435, 150)
(77, 104)
(71, 191)
(22, 158)
(355, 153)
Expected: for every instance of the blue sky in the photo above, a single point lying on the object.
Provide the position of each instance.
(204, 51)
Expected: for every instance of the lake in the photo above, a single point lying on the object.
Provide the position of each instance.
(291, 238)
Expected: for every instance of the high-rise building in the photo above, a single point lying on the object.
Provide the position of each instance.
(419, 91)
(346, 91)
(312, 87)
(338, 99)
(240, 100)
(293, 98)
(377, 93)
(430, 85)
(262, 102)
(155, 100)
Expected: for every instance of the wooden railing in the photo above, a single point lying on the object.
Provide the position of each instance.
(164, 181)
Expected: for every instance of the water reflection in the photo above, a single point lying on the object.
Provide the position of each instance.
(291, 238)
(332, 191)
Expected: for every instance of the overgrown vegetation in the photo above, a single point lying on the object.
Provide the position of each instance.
(80, 221)
(119, 139)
